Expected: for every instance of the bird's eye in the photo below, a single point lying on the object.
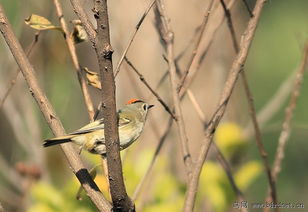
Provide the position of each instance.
(145, 107)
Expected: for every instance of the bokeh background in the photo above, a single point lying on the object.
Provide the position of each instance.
(37, 179)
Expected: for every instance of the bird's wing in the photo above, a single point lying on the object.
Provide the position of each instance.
(96, 125)
(123, 121)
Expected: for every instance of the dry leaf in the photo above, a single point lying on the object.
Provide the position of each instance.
(79, 34)
(93, 78)
(41, 23)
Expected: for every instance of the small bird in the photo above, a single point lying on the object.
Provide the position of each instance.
(91, 137)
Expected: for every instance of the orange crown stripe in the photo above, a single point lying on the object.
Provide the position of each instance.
(132, 101)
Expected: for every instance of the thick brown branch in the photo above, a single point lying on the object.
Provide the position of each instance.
(120, 199)
(50, 115)
(227, 91)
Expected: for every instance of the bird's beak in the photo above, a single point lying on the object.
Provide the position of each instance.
(150, 106)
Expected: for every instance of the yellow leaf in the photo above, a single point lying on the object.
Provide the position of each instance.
(247, 174)
(93, 78)
(41, 23)
(230, 138)
(79, 34)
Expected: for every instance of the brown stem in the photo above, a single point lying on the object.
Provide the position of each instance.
(286, 128)
(13, 81)
(117, 69)
(120, 199)
(168, 37)
(50, 116)
(235, 70)
(252, 110)
(143, 80)
(198, 46)
(72, 50)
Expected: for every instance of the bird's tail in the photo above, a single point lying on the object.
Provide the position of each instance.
(58, 140)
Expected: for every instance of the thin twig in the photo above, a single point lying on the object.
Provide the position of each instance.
(50, 115)
(248, 8)
(224, 163)
(218, 16)
(120, 199)
(143, 80)
(13, 81)
(150, 167)
(168, 37)
(234, 72)
(286, 128)
(71, 46)
(197, 46)
(252, 110)
(220, 157)
(117, 69)
(167, 130)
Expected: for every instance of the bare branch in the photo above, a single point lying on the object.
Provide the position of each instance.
(273, 105)
(143, 80)
(286, 128)
(220, 157)
(117, 69)
(218, 16)
(235, 70)
(120, 199)
(248, 8)
(50, 115)
(72, 50)
(197, 47)
(168, 37)
(157, 151)
(252, 110)
(224, 163)
(13, 81)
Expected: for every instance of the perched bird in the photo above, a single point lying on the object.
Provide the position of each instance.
(91, 137)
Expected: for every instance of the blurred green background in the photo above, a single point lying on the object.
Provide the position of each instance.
(275, 54)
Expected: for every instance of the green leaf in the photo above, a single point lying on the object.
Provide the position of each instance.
(41, 23)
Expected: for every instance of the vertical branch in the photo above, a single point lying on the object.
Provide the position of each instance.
(235, 70)
(286, 129)
(168, 37)
(120, 199)
(252, 110)
(72, 50)
(50, 115)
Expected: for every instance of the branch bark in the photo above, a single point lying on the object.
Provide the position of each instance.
(236, 68)
(120, 199)
(50, 116)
